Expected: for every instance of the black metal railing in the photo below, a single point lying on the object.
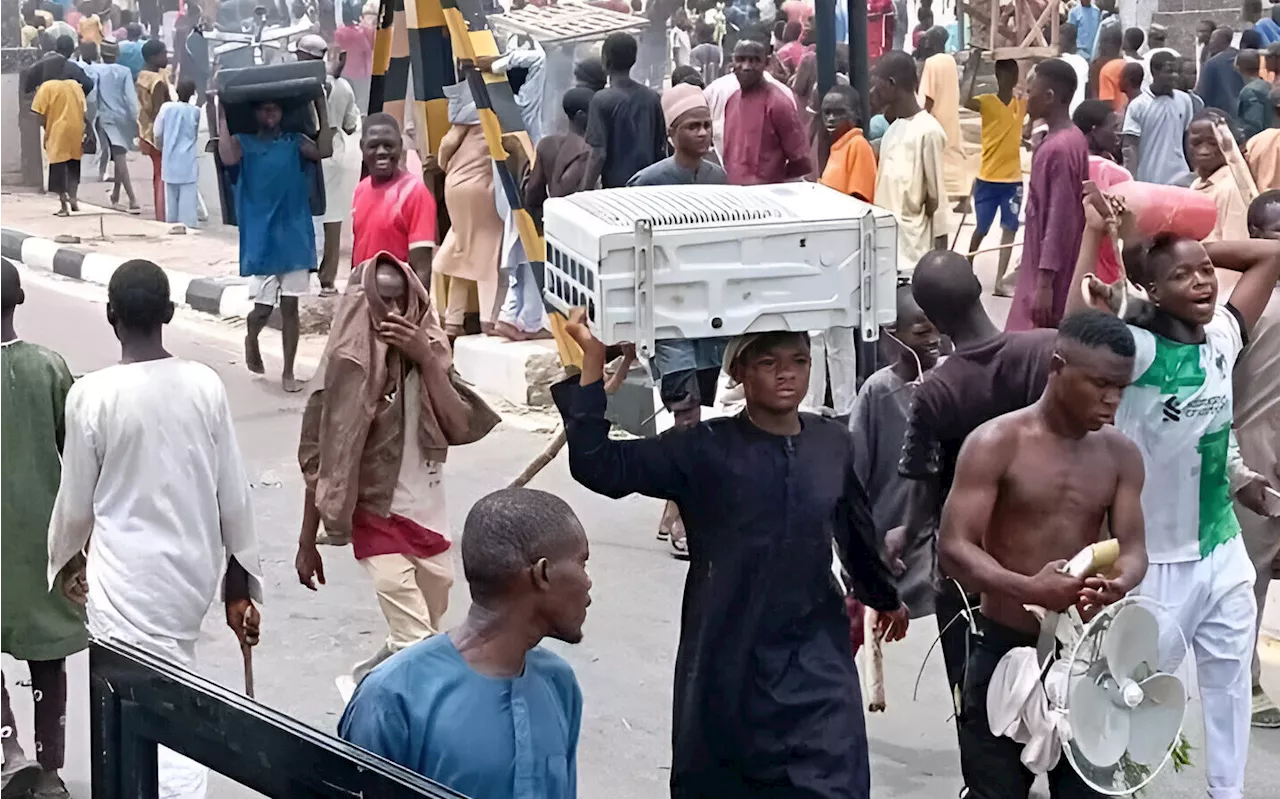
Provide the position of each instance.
(140, 702)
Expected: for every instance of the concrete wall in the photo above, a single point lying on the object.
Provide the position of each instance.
(10, 151)
(1182, 16)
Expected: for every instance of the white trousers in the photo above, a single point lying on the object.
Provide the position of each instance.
(178, 777)
(1213, 602)
(833, 354)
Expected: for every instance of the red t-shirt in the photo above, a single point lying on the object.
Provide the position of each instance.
(357, 42)
(395, 216)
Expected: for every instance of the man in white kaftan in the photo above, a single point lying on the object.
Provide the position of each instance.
(154, 493)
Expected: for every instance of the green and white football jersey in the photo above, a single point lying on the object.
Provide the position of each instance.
(1178, 412)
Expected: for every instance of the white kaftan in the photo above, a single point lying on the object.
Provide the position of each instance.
(153, 483)
(911, 173)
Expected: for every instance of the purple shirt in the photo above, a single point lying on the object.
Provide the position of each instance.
(764, 140)
(1055, 223)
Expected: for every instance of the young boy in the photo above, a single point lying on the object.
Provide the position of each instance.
(879, 425)
(1254, 109)
(1209, 140)
(766, 693)
(999, 183)
(277, 238)
(1178, 411)
(851, 166)
(176, 127)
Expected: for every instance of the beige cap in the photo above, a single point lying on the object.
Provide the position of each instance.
(313, 44)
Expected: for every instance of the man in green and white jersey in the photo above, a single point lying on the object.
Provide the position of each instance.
(1178, 412)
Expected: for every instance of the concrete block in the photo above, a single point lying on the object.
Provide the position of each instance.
(520, 372)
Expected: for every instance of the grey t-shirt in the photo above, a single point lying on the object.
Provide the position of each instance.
(668, 173)
(1160, 123)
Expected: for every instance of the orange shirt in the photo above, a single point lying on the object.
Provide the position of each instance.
(851, 167)
(1109, 84)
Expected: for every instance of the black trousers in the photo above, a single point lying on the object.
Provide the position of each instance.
(49, 689)
(990, 764)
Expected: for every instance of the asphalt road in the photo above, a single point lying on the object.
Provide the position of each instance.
(625, 662)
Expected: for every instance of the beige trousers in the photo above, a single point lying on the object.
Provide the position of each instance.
(458, 296)
(413, 594)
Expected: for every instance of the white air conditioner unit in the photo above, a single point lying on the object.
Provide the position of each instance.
(669, 262)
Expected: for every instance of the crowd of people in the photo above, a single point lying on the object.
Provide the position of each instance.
(953, 487)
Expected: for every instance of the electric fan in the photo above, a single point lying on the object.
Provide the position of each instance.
(1123, 694)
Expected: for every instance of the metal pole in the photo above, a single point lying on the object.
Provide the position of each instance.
(824, 13)
(859, 56)
(860, 78)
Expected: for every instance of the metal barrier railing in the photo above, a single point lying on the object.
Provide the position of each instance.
(139, 702)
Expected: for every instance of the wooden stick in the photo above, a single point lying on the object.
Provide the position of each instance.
(246, 652)
(540, 462)
(875, 704)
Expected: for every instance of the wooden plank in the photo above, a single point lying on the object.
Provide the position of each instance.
(1018, 53)
(1037, 29)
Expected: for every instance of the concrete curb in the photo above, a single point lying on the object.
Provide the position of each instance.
(220, 296)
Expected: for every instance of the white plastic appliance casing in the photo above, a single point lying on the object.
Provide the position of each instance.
(667, 262)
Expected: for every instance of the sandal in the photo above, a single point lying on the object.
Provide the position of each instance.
(679, 548)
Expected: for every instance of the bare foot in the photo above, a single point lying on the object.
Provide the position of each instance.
(291, 384)
(75, 206)
(253, 356)
(1001, 290)
(62, 212)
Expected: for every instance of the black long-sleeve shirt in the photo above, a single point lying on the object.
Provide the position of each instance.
(54, 66)
(766, 692)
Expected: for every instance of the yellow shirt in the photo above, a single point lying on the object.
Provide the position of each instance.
(1001, 138)
(61, 103)
(148, 83)
(1233, 209)
(91, 29)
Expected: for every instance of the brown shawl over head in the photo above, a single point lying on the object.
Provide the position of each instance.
(353, 429)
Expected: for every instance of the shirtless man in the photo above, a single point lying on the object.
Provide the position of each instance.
(1032, 488)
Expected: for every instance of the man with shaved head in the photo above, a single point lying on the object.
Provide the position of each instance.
(990, 374)
(911, 181)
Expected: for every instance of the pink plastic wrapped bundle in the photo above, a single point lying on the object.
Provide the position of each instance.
(1167, 209)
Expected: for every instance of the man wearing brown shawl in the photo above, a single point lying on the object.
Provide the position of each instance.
(373, 447)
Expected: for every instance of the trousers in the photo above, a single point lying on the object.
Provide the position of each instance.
(49, 690)
(413, 594)
(991, 764)
(182, 203)
(834, 357)
(1262, 540)
(1212, 599)
(523, 305)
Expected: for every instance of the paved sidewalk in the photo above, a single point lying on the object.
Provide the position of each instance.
(202, 264)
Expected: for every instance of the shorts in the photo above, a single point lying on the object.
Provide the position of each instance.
(63, 176)
(990, 197)
(991, 765)
(268, 289)
(687, 370)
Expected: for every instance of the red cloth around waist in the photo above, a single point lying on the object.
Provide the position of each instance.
(372, 534)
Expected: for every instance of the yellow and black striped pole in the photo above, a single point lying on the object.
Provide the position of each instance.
(499, 115)
(411, 43)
